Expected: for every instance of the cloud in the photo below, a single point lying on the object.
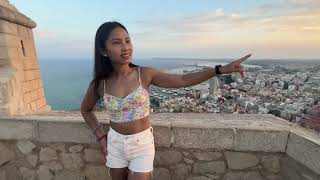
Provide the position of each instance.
(201, 23)
(264, 8)
(303, 2)
(271, 28)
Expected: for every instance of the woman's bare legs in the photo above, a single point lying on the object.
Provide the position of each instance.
(139, 175)
(119, 173)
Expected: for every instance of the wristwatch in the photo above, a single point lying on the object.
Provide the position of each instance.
(217, 69)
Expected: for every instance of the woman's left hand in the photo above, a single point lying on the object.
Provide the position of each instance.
(235, 66)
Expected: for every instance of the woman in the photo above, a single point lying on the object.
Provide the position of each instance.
(128, 147)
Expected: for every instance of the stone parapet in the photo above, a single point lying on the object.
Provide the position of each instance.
(188, 145)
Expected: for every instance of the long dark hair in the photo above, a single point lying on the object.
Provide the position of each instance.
(102, 64)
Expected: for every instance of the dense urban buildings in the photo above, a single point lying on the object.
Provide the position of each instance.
(289, 91)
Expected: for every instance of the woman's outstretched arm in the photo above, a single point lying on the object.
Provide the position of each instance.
(162, 79)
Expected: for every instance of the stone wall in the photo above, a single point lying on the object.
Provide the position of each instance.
(59, 145)
(21, 89)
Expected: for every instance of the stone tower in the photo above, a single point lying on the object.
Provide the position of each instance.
(21, 89)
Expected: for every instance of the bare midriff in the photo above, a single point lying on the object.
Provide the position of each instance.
(133, 127)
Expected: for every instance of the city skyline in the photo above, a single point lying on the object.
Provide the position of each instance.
(285, 29)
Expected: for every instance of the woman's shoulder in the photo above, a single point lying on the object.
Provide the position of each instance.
(148, 73)
(101, 85)
(99, 89)
(147, 69)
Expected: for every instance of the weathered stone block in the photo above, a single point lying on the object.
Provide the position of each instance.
(48, 154)
(32, 160)
(5, 154)
(59, 147)
(26, 97)
(93, 172)
(304, 150)
(30, 63)
(167, 157)
(76, 148)
(55, 166)
(72, 161)
(28, 174)
(28, 75)
(209, 167)
(40, 102)
(44, 173)
(65, 132)
(25, 146)
(26, 87)
(161, 174)
(258, 140)
(9, 40)
(8, 27)
(162, 135)
(23, 31)
(203, 138)
(188, 160)
(271, 163)
(181, 171)
(12, 172)
(41, 91)
(8, 53)
(34, 96)
(240, 160)
(33, 106)
(17, 129)
(93, 155)
(207, 156)
(68, 175)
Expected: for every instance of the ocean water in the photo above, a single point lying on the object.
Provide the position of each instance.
(66, 81)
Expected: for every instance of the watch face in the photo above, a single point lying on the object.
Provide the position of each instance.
(217, 68)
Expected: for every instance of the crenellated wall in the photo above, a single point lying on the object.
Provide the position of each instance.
(59, 145)
(21, 89)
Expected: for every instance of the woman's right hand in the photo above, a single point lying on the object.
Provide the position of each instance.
(103, 148)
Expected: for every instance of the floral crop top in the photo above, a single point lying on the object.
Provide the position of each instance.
(134, 106)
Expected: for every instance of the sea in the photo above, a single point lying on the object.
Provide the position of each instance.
(65, 81)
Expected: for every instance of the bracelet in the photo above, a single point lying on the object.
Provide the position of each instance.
(101, 137)
(94, 130)
(217, 70)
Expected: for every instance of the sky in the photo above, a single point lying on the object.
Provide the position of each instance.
(275, 29)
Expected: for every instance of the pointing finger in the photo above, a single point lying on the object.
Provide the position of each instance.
(243, 58)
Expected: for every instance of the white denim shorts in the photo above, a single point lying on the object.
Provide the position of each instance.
(135, 151)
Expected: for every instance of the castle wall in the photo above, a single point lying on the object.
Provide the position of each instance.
(21, 88)
(191, 146)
